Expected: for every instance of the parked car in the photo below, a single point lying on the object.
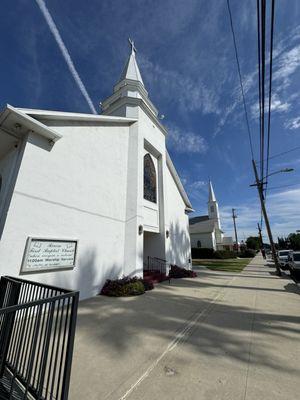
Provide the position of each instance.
(283, 256)
(294, 263)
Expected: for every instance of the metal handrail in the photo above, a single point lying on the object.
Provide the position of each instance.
(155, 264)
(160, 259)
(37, 330)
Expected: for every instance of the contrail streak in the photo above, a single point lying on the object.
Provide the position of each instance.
(65, 53)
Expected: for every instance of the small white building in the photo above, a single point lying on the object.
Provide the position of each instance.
(88, 197)
(206, 231)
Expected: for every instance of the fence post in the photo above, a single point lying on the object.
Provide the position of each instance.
(70, 346)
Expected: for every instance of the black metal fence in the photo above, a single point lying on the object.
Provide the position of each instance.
(155, 264)
(37, 329)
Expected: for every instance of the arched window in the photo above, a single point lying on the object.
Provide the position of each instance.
(198, 243)
(149, 179)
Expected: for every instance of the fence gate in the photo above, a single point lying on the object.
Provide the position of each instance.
(37, 329)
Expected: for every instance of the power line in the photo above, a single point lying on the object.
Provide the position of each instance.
(270, 91)
(259, 75)
(284, 152)
(261, 83)
(283, 186)
(261, 46)
(240, 78)
(263, 71)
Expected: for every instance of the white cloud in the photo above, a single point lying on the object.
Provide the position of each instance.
(287, 63)
(198, 185)
(65, 53)
(277, 106)
(248, 84)
(185, 142)
(197, 190)
(293, 123)
(189, 94)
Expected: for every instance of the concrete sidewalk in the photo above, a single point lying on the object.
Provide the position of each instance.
(219, 336)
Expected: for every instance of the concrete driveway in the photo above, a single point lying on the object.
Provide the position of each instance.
(218, 336)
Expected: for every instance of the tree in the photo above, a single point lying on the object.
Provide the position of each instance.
(253, 242)
(294, 241)
(282, 243)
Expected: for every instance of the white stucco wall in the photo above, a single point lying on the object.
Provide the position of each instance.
(75, 190)
(6, 167)
(206, 239)
(178, 225)
(154, 142)
(89, 186)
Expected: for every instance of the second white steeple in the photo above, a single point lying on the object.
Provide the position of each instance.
(213, 208)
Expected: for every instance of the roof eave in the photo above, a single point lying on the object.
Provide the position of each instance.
(189, 209)
(32, 124)
(178, 182)
(60, 115)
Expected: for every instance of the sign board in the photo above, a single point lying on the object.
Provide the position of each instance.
(49, 254)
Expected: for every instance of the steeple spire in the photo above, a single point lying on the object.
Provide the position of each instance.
(131, 70)
(133, 48)
(211, 193)
(130, 93)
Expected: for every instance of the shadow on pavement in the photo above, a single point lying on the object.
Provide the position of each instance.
(118, 325)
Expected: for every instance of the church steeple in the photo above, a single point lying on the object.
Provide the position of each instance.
(129, 92)
(211, 195)
(212, 204)
(131, 69)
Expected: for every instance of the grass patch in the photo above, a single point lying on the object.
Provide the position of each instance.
(229, 265)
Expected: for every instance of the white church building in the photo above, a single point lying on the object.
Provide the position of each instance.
(88, 197)
(206, 231)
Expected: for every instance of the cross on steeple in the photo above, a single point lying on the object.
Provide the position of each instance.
(133, 48)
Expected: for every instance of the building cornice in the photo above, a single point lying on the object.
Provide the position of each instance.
(69, 116)
(135, 101)
(132, 87)
(19, 123)
(189, 207)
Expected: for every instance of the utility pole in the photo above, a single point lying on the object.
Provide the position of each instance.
(234, 216)
(260, 236)
(259, 185)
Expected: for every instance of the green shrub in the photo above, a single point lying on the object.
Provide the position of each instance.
(210, 253)
(224, 254)
(132, 289)
(202, 252)
(248, 253)
(124, 287)
(148, 284)
(178, 272)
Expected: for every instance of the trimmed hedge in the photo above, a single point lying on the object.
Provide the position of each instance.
(248, 253)
(202, 252)
(178, 272)
(126, 286)
(210, 253)
(224, 254)
(147, 284)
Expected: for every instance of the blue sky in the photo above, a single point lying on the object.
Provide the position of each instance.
(186, 58)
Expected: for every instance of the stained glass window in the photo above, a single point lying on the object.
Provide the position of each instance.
(149, 179)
